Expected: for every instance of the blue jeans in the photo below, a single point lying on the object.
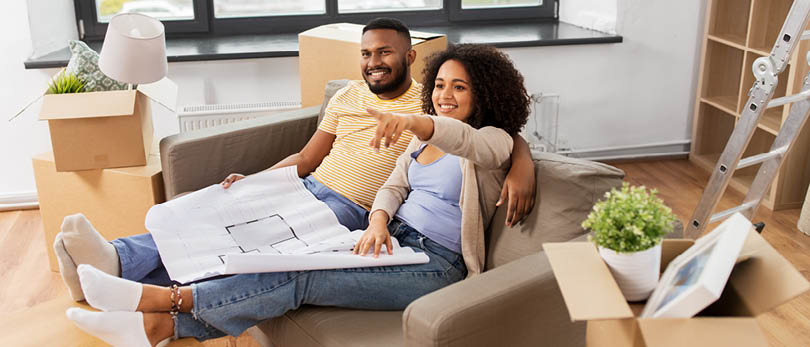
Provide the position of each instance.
(228, 306)
(140, 260)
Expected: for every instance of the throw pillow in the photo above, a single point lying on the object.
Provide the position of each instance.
(84, 64)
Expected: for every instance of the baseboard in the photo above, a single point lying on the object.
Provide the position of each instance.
(18, 201)
(666, 150)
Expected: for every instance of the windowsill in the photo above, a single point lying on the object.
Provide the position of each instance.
(511, 34)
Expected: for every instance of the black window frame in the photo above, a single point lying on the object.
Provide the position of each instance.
(204, 23)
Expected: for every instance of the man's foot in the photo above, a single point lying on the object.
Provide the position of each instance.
(116, 328)
(85, 245)
(106, 292)
(67, 268)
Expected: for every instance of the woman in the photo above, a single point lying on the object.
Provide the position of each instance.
(437, 200)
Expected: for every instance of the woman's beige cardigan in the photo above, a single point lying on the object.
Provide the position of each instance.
(484, 162)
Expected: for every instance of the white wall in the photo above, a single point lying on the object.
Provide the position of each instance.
(637, 92)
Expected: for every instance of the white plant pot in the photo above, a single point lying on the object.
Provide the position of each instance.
(636, 273)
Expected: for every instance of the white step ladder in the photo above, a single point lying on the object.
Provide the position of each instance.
(766, 71)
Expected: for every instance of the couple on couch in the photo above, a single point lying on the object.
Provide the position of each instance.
(423, 164)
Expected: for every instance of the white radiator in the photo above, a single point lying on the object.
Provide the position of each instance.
(540, 131)
(207, 116)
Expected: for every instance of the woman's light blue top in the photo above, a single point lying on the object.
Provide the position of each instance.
(432, 205)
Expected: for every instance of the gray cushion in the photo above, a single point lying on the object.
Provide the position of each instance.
(331, 88)
(84, 64)
(567, 188)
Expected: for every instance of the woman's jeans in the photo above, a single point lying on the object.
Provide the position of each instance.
(140, 260)
(228, 306)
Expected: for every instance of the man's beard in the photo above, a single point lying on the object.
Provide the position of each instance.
(399, 79)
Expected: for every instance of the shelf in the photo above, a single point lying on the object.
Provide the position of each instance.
(766, 23)
(705, 161)
(729, 41)
(732, 26)
(714, 128)
(725, 103)
(722, 74)
(771, 120)
(737, 33)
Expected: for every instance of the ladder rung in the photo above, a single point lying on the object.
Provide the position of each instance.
(725, 214)
(789, 99)
(756, 159)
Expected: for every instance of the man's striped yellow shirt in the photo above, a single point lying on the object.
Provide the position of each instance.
(352, 168)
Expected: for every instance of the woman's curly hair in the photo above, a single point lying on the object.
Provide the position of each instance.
(498, 93)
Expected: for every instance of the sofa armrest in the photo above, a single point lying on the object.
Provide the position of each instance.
(197, 159)
(517, 304)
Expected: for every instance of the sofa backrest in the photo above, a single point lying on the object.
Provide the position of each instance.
(567, 188)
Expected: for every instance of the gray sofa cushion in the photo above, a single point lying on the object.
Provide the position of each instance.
(567, 188)
(331, 88)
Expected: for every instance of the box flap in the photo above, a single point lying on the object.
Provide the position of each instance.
(702, 332)
(585, 281)
(671, 248)
(351, 32)
(336, 31)
(88, 105)
(424, 35)
(766, 279)
(163, 91)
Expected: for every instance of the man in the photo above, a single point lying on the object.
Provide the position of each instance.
(345, 172)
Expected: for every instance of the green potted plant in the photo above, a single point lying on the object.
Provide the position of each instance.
(628, 226)
(64, 83)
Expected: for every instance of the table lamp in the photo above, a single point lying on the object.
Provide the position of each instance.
(134, 49)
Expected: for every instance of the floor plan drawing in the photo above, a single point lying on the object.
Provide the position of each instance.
(268, 214)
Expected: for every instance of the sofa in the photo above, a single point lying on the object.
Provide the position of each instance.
(515, 302)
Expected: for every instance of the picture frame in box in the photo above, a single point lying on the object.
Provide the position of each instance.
(696, 278)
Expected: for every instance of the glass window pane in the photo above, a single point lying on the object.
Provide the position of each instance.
(160, 9)
(469, 4)
(263, 8)
(354, 6)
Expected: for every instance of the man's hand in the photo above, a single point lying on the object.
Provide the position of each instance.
(228, 181)
(375, 236)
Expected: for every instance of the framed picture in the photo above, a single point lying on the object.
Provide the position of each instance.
(696, 278)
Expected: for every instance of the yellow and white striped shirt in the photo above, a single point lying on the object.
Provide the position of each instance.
(352, 168)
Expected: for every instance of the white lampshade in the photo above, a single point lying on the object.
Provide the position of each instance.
(134, 49)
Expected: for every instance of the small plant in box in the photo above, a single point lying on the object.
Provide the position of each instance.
(65, 83)
(628, 226)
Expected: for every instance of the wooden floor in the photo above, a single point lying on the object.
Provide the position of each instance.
(25, 280)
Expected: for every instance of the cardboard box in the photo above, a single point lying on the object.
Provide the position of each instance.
(332, 52)
(756, 286)
(108, 129)
(115, 200)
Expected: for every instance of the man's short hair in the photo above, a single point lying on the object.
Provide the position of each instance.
(389, 23)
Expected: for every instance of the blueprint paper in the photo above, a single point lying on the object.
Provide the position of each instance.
(265, 222)
(335, 253)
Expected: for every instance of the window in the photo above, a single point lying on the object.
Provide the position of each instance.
(226, 17)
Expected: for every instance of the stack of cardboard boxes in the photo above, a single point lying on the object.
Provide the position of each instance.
(104, 163)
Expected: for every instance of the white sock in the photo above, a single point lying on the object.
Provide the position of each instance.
(106, 292)
(86, 246)
(67, 268)
(121, 329)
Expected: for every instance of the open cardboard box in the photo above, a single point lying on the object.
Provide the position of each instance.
(332, 52)
(108, 129)
(755, 286)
